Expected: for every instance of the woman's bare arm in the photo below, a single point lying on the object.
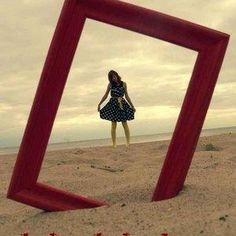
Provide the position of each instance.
(127, 96)
(105, 95)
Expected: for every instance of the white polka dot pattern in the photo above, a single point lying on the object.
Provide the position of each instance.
(112, 110)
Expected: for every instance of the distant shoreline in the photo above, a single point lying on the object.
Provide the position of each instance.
(120, 140)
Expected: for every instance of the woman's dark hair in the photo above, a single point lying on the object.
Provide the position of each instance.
(110, 77)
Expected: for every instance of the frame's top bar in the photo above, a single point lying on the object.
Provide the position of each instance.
(152, 23)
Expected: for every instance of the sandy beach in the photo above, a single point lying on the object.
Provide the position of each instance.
(126, 178)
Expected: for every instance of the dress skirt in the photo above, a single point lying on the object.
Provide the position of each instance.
(117, 109)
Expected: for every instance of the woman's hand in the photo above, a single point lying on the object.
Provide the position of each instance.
(99, 108)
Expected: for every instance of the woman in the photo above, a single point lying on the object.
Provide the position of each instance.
(117, 109)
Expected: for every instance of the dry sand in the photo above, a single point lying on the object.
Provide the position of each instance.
(206, 206)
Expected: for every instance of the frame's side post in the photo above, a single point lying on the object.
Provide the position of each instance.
(47, 98)
(190, 121)
(216, 55)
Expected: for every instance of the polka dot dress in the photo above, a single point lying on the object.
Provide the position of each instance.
(117, 109)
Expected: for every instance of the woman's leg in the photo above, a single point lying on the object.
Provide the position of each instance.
(113, 132)
(127, 134)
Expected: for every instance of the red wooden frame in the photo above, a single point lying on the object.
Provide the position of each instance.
(210, 45)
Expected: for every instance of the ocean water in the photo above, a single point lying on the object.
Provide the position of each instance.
(120, 140)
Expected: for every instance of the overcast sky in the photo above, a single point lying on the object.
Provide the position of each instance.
(156, 72)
